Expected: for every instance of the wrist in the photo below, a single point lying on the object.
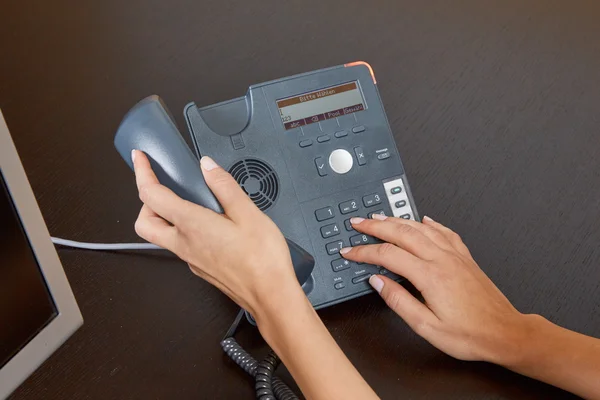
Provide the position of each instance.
(519, 338)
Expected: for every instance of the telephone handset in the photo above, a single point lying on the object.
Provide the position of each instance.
(149, 127)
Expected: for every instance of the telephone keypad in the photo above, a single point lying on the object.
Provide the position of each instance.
(330, 230)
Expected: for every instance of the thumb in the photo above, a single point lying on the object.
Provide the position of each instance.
(233, 198)
(411, 310)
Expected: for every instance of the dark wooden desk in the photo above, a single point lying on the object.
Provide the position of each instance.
(496, 110)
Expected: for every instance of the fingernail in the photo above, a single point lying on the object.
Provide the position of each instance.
(426, 218)
(379, 217)
(356, 220)
(133, 155)
(376, 282)
(208, 163)
(345, 250)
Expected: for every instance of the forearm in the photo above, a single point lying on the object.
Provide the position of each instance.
(557, 356)
(320, 368)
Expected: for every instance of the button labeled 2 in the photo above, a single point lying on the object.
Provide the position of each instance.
(348, 206)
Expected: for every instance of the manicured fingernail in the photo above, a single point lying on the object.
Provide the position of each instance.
(133, 155)
(426, 218)
(208, 163)
(356, 220)
(379, 217)
(345, 250)
(376, 282)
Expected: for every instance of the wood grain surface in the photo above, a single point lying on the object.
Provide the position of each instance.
(495, 106)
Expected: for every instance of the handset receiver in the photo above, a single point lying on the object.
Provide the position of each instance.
(149, 127)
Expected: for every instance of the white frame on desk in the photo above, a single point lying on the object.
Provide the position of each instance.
(68, 318)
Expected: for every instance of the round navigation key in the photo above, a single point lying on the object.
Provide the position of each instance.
(340, 161)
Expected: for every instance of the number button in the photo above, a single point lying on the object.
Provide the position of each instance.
(380, 212)
(334, 247)
(357, 240)
(330, 230)
(325, 213)
(340, 264)
(348, 225)
(371, 200)
(348, 206)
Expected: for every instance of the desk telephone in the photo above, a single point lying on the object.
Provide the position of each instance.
(311, 150)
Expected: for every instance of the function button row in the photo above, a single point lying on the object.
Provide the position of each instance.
(324, 213)
(330, 230)
(371, 200)
(326, 138)
(334, 247)
(348, 206)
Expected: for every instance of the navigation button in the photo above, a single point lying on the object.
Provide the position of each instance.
(324, 138)
(358, 129)
(325, 213)
(306, 143)
(360, 155)
(330, 230)
(340, 161)
(320, 164)
(341, 134)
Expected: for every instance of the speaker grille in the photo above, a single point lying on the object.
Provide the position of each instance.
(258, 180)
